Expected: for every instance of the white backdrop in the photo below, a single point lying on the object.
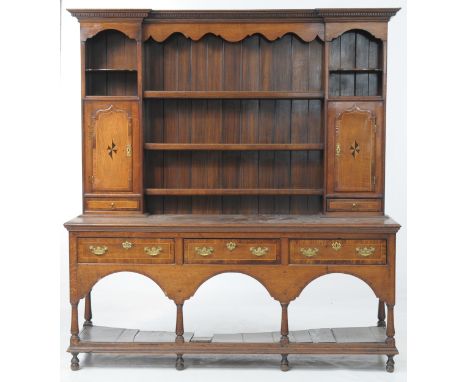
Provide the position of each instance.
(232, 302)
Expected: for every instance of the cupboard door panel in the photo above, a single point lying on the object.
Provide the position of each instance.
(356, 133)
(110, 146)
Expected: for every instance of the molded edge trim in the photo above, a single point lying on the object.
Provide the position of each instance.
(309, 15)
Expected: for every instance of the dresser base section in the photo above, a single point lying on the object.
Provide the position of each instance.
(338, 341)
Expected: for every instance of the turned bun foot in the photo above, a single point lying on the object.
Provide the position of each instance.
(284, 362)
(88, 323)
(381, 324)
(390, 364)
(179, 364)
(75, 362)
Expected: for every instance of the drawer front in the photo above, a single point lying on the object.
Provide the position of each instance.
(125, 250)
(112, 204)
(354, 205)
(338, 251)
(231, 251)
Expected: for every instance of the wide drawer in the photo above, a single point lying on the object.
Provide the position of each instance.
(354, 205)
(231, 251)
(125, 250)
(353, 251)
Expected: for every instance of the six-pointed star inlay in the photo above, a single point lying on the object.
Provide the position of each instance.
(355, 149)
(112, 149)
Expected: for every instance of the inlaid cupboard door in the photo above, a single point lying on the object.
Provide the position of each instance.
(355, 147)
(110, 146)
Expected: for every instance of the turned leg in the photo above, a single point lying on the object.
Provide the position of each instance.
(74, 329)
(390, 364)
(284, 324)
(180, 323)
(180, 335)
(75, 362)
(390, 326)
(284, 335)
(88, 314)
(390, 337)
(179, 365)
(381, 314)
(74, 339)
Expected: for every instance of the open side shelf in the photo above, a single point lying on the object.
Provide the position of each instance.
(357, 340)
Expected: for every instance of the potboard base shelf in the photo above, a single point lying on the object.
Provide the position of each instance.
(338, 341)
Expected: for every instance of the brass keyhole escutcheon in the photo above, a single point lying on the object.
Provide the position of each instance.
(336, 245)
(231, 246)
(338, 149)
(127, 245)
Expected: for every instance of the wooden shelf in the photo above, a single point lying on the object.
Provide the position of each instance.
(234, 146)
(111, 98)
(233, 191)
(356, 98)
(355, 70)
(232, 94)
(109, 70)
(91, 335)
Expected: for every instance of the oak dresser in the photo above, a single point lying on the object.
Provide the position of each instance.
(233, 141)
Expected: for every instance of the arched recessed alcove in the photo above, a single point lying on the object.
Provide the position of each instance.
(231, 303)
(332, 301)
(130, 300)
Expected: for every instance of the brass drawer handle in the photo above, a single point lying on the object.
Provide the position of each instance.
(309, 252)
(153, 251)
(354, 205)
(127, 245)
(98, 251)
(365, 251)
(231, 246)
(259, 251)
(336, 245)
(204, 251)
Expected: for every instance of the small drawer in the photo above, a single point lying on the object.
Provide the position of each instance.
(103, 204)
(338, 251)
(230, 251)
(354, 205)
(125, 250)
